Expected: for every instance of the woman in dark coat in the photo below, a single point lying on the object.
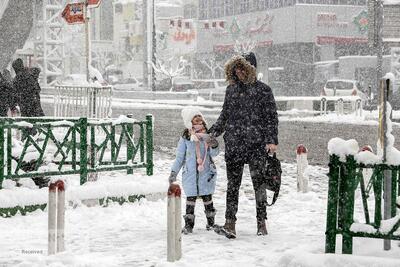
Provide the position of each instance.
(27, 87)
(250, 122)
(7, 94)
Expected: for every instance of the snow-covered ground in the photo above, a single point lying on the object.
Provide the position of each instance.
(134, 234)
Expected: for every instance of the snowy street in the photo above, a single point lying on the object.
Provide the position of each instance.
(134, 234)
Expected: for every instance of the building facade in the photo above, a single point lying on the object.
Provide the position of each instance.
(288, 36)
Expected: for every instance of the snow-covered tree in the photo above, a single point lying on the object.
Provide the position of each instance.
(244, 45)
(212, 65)
(170, 68)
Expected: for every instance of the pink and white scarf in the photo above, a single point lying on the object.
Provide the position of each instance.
(197, 135)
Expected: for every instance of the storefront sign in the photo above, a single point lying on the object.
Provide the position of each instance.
(325, 40)
(329, 20)
(361, 21)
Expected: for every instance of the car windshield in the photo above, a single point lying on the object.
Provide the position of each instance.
(340, 85)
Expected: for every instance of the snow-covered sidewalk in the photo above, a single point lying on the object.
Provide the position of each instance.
(134, 234)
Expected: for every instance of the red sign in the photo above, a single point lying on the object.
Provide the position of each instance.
(93, 3)
(74, 13)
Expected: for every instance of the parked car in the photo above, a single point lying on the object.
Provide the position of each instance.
(182, 84)
(76, 80)
(131, 83)
(341, 87)
(179, 84)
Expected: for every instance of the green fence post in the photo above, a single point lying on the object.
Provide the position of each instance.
(377, 185)
(73, 141)
(331, 218)
(1, 152)
(129, 145)
(141, 142)
(83, 163)
(92, 148)
(394, 192)
(9, 150)
(149, 144)
(348, 212)
(112, 139)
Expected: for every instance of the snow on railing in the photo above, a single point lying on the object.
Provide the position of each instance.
(83, 101)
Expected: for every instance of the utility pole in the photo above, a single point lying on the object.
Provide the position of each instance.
(87, 40)
(145, 50)
(383, 89)
(154, 48)
(148, 44)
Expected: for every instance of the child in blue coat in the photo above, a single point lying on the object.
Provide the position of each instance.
(194, 155)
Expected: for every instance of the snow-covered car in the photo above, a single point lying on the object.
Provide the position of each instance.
(341, 87)
(129, 84)
(77, 80)
(182, 84)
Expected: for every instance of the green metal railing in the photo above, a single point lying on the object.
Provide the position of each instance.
(52, 146)
(344, 180)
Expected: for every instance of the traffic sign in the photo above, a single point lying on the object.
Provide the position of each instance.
(93, 3)
(74, 13)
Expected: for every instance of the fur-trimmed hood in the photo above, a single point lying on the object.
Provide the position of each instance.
(231, 78)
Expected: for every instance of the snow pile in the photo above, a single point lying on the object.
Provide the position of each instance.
(367, 157)
(29, 194)
(122, 119)
(362, 228)
(23, 124)
(96, 76)
(28, 183)
(392, 154)
(342, 148)
(387, 225)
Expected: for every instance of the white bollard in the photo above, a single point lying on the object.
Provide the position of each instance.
(358, 107)
(340, 107)
(174, 223)
(56, 217)
(302, 163)
(323, 106)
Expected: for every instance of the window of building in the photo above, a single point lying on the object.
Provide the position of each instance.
(244, 6)
(189, 11)
(203, 9)
(228, 7)
(217, 8)
(259, 5)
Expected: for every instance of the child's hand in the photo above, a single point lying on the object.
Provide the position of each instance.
(212, 141)
(172, 177)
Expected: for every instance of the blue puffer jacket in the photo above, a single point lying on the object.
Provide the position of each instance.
(195, 183)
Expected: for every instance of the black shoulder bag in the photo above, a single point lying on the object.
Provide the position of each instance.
(272, 176)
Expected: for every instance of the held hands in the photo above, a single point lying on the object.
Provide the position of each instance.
(212, 141)
(172, 177)
(272, 148)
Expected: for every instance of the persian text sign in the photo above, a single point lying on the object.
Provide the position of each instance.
(93, 3)
(74, 13)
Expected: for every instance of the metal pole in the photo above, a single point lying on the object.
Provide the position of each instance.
(154, 48)
(150, 36)
(145, 40)
(379, 45)
(87, 40)
(387, 174)
(44, 70)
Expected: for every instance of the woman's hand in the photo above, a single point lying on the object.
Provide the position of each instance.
(272, 148)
